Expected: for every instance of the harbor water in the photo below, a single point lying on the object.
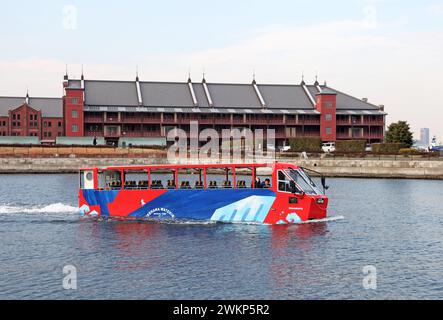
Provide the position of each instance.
(388, 230)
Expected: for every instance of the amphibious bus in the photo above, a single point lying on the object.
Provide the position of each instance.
(267, 193)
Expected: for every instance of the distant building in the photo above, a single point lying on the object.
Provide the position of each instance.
(31, 117)
(424, 136)
(138, 109)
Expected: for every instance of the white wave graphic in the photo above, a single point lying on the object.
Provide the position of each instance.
(42, 209)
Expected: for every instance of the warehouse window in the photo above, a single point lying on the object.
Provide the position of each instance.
(74, 114)
(74, 100)
(328, 130)
(328, 117)
(74, 128)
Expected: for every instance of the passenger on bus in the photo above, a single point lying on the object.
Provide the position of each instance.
(267, 184)
(198, 185)
(258, 183)
(185, 185)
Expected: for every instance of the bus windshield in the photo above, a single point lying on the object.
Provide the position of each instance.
(304, 181)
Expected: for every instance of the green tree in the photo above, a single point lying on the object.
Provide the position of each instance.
(400, 132)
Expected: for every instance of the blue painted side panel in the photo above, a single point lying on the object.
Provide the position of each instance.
(202, 204)
(102, 198)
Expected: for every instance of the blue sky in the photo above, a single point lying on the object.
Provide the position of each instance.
(384, 50)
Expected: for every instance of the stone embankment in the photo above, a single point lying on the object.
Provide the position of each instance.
(70, 159)
(403, 169)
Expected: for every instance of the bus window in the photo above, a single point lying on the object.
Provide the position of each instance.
(87, 180)
(113, 180)
(100, 180)
(284, 184)
(220, 178)
(188, 179)
(264, 175)
(304, 181)
(136, 180)
(162, 179)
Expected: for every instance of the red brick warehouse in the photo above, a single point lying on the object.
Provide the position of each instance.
(33, 117)
(136, 109)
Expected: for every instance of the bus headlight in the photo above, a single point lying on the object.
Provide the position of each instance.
(320, 201)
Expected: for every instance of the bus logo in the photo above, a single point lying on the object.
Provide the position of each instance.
(161, 213)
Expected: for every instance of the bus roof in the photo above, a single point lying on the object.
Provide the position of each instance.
(191, 166)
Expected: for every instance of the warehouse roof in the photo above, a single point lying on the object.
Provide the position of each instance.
(50, 107)
(112, 93)
(135, 96)
(233, 96)
(160, 95)
(285, 97)
(9, 103)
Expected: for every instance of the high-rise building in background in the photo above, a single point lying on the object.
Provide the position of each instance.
(424, 136)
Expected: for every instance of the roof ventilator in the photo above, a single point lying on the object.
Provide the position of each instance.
(139, 91)
(191, 89)
(303, 84)
(208, 94)
(259, 95)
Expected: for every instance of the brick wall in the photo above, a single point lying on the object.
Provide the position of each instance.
(327, 105)
(52, 128)
(73, 103)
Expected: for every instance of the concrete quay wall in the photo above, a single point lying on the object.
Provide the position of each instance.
(425, 169)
